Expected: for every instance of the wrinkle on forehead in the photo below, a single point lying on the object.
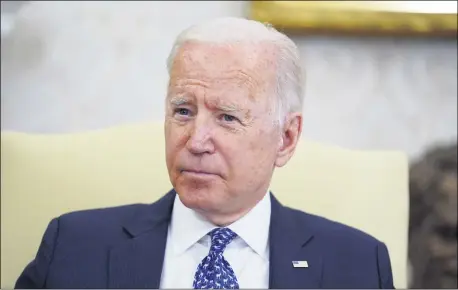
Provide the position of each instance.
(243, 65)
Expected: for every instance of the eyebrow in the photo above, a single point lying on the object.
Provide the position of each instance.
(228, 108)
(179, 100)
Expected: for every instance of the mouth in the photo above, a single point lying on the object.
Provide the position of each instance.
(197, 173)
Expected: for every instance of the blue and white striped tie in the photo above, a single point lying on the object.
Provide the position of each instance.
(214, 272)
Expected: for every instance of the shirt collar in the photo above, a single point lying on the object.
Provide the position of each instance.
(187, 227)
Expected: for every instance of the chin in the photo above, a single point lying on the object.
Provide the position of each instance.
(202, 197)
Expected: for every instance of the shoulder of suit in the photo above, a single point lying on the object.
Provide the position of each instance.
(106, 212)
(327, 229)
(98, 220)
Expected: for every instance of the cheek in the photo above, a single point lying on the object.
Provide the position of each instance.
(247, 154)
(175, 139)
(262, 149)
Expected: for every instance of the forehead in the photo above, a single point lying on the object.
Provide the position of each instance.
(244, 55)
(223, 64)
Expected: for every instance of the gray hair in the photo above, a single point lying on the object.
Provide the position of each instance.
(228, 30)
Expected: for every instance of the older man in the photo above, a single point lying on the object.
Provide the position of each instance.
(233, 114)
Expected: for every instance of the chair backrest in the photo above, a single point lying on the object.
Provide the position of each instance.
(44, 176)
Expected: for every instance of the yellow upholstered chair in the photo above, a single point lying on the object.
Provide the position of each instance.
(44, 176)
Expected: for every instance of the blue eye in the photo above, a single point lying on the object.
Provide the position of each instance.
(229, 118)
(182, 111)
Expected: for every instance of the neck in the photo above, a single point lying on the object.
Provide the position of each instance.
(225, 219)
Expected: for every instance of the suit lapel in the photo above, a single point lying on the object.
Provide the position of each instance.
(137, 262)
(289, 241)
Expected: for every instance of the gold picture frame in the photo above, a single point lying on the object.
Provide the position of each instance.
(379, 17)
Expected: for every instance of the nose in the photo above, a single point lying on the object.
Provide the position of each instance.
(200, 137)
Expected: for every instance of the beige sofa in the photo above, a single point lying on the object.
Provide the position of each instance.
(44, 176)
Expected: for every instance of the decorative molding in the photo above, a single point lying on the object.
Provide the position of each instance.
(381, 17)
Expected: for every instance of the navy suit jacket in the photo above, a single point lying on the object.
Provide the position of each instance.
(123, 247)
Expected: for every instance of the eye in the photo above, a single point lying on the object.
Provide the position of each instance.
(229, 118)
(182, 111)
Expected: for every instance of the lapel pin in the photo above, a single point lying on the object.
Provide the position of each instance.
(300, 264)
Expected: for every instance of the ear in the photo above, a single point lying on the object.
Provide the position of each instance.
(290, 135)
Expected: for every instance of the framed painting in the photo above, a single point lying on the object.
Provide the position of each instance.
(371, 17)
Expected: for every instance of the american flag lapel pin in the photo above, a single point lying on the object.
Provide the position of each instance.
(300, 264)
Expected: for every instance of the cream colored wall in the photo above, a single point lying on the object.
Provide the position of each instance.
(72, 66)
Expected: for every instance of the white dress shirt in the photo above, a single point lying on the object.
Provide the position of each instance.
(188, 243)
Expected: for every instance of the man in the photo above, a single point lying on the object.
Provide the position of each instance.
(233, 114)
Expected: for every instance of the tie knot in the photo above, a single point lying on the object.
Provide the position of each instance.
(221, 237)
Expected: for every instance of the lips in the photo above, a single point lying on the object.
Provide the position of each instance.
(197, 172)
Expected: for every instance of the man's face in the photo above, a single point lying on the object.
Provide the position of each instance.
(221, 144)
